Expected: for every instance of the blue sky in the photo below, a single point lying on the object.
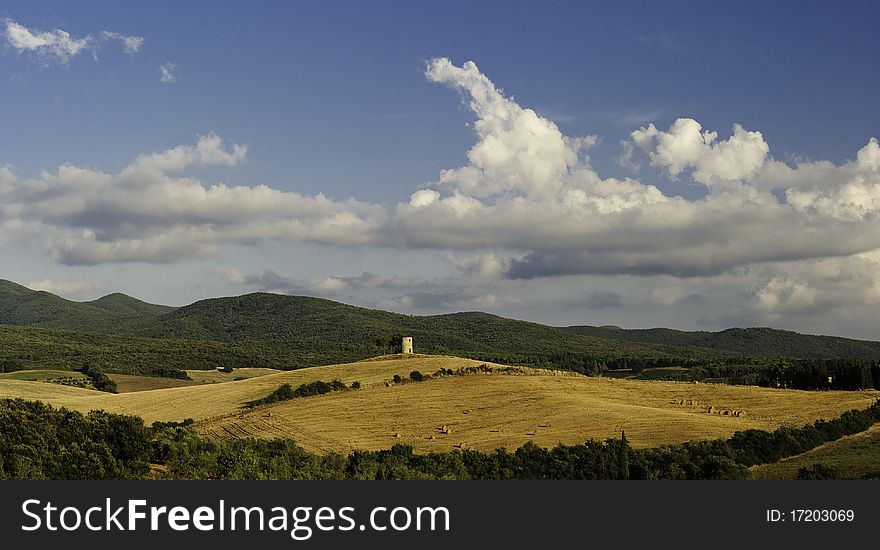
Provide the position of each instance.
(333, 98)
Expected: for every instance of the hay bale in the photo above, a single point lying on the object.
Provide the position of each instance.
(397, 435)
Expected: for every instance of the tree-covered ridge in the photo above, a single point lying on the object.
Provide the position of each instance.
(20, 305)
(24, 348)
(123, 335)
(758, 341)
(124, 304)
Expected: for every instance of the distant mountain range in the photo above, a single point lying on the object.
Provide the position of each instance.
(263, 329)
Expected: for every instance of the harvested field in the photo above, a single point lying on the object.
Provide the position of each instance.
(480, 411)
(130, 383)
(489, 411)
(214, 376)
(212, 400)
(42, 391)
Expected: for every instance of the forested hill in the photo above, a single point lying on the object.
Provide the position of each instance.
(126, 305)
(742, 341)
(325, 324)
(319, 331)
(20, 305)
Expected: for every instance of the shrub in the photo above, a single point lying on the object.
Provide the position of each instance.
(226, 369)
(355, 385)
(818, 471)
(397, 379)
(416, 376)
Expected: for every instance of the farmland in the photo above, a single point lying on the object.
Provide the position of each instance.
(478, 411)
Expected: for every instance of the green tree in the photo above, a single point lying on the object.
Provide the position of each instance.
(623, 457)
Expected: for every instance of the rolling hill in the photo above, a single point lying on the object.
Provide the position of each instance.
(479, 410)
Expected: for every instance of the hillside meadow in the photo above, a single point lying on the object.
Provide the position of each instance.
(473, 411)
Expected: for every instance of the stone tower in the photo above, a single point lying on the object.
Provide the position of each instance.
(406, 344)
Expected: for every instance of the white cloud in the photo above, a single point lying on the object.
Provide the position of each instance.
(67, 288)
(144, 213)
(518, 150)
(529, 190)
(168, 73)
(686, 145)
(7, 179)
(131, 44)
(868, 157)
(55, 44)
(60, 46)
(482, 266)
(667, 296)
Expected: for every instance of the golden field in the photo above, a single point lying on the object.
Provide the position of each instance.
(479, 411)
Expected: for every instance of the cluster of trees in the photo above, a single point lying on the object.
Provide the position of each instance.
(39, 442)
(592, 365)
(99, 379)
(804, 374)
(12, 365)
(286, 392)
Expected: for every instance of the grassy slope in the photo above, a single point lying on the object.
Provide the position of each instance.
(41, 374)
(854, 456)
(215, 376)
(571, 408)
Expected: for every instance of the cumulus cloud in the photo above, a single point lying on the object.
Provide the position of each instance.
(168, 73)
(67, 288)
(59, 46)
(413, 293)
(530, 191)
(147, 213)
(685, 145)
